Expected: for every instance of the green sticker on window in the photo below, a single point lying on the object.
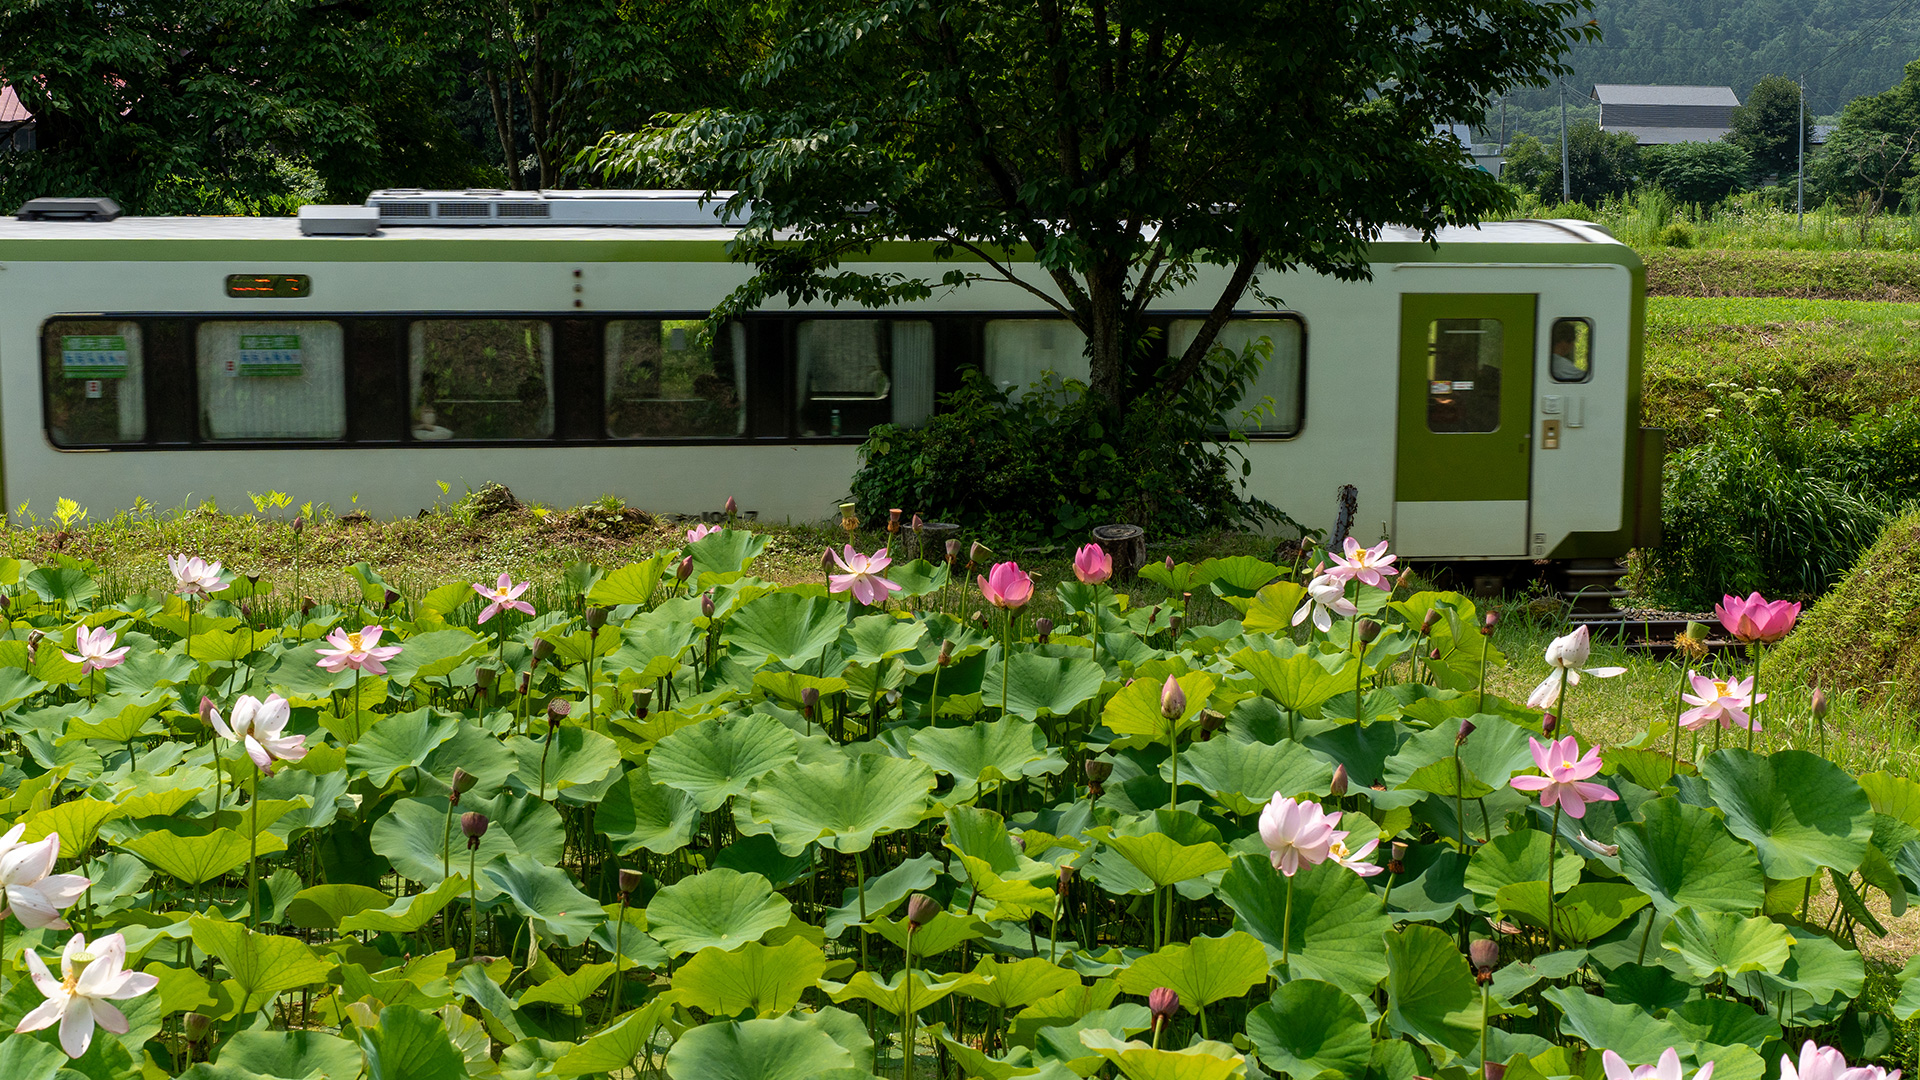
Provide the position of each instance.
(102, 356)
(268, 355)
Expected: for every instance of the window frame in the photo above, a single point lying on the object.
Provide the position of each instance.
(1586, 376)
(1165, 320)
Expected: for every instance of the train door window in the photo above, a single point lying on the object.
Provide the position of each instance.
(94, 382)
(1019, 353)
(488, 379)
(272, 380)
(669, 379)
(1571, 356)
(1463, 375)
(852, 375)
(1270, 404)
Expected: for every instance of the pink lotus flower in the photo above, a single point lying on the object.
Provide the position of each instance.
(1816, 1063)
(1326, 597)
(257, 727)
(90, 978)
(503, 596)
(96, 650)
(1598, 848)
(1756, 618)
(1092, 565)
(1724, 701)
(1668, 1068)
(1566, 772)
(1297, 833)
(360, 650)
(1369, 566)
(864, 575)
(194, 576)
(701, 532)
(1567, 653)
(33, 891)
(1007, 586)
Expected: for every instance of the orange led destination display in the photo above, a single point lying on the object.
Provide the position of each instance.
(269, 286)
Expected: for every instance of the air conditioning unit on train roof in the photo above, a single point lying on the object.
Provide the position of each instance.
(681, 209)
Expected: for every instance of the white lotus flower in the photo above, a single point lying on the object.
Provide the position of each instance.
(90, 978)
(33, 891)
(1567, 654)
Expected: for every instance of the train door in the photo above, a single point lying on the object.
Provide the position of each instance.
(1466, 385)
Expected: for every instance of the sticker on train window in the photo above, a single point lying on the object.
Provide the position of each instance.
(267, 355)
(100, 356)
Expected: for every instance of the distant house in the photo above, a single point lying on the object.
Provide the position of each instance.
(16, 123)
(1657, 115)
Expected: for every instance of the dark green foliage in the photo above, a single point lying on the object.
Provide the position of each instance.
(1045, 467)
(1697, 172)
(1775, 502)
(1599, 164)
(1870, 156)
(1766, 123)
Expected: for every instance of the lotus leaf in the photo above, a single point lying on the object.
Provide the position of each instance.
(261, 966)
(639, 812)
(719, 908)
(713, 761)
(407, 1044)
(1204, 971)
(787, 1048)
(1036, 686)
(1430, 992)
(409, 913)
(842, 806)
(1134, 713)
(547, 897)
(895, 995)
(786, 628)
(615, 1046)
(987, 755)
(194, 860)
(1800, 810)
(1725, 944)
(399, 742)
(1139, 1061)
(1309, 1028)
(1246, 776)
(578, 758)
(766, 979)
(571, 990)
(1337, 928)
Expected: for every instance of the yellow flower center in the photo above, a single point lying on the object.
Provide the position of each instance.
(353, 641)
(76, 969)
(1720, 689)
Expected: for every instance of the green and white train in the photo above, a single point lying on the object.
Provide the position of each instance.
(1483, 395)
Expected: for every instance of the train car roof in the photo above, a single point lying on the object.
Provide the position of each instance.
(1529, 231)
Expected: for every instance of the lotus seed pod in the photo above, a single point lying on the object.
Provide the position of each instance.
(542, 648)
(946, 654)
(1485, 954)
(1097, 769)
(1339, 787)
(1044, 627)
(1819, 703)
(921, 909)
(1697, 631)
(1548, 722)
(196, 1026)
(473, 824)
(893, 520)
(953, 550)
(1397, 861)
(1163, 1003)
(685, 569)
(1493, 1070)
(557, 710)
(1427, 624)
(1367, 629)
(978, 552)
(483, 677)
(306, 607)
(1492, 620)
(526, 682)
(596, 618)
(642, 701)
(706, 604)
(810, 701)
(1173, 700)
(1211, 721)
(1063, 878)
(463, 781)
(629, 882)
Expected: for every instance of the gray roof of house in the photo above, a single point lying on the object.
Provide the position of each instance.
(1620, 94)
(1661, 136)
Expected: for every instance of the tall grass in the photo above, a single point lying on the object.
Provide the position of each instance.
(1754, 220)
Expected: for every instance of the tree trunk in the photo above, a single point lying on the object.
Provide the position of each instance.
(1108, 347)
(503, 124)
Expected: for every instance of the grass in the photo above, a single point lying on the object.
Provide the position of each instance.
(1752, 221)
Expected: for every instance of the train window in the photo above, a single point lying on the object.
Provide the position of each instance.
(481, 379)
(1571, 358)
(272, 380)
(1271, 404)
(1463, 375)
(667, 380)
(852, 375)
(94, 381)
(1020, 351)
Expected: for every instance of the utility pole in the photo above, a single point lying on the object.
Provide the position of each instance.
(1566, 180)
(1800, 182)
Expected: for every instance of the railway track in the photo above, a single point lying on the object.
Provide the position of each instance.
(1593, 586)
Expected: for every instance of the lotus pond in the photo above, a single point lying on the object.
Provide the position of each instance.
(680, 820)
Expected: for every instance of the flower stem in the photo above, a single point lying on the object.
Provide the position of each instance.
(473, 904)
(1678, 706)
(906, 1036)
(1286, 923)
(446, 843)
(1006, 662)
(1753, 710)
(253, 851)
(1553, 849)
(1485, 638)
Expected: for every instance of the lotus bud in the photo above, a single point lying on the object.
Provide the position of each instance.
(1548, 722)
(810, 701)
(629, 883)
(1339, 787)
(1427, 624)
(1173, 700)
(893, 520)
(920, 910)
(473, 824)
(1097, 769)
(1697, 631)
(542, 648)
(953, 552)
(732, 508)
(1485, 954)
(557, 710)
(1466, 729)
(1493, 1070)
(1169, 564)
(1020, 844)
(197, 1025)
(685, 569)
(1044, 627)
(1397, 859)
(946, 654)
(206, 710)
(916, 524)
(389, 598)
(1487, 624)
(306, 607)
(6, 602)
(1818, 704)
(596, 618)
(642, 701)
(977, 553)
(1433, 654)
(483, 677)
(526, 682)
(463, 782)
(706, 603)
(1163, 1003)
(299, 525)
(1367, 629)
